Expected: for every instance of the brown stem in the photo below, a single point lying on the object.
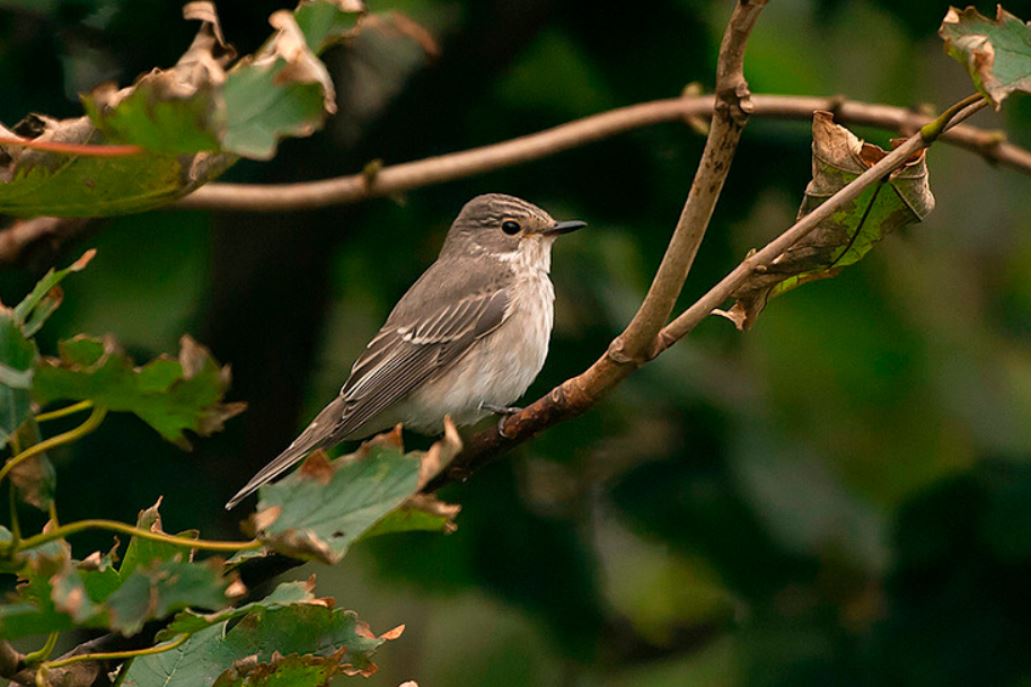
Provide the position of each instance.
(23, 236)
(730, 114)
(435, 170)
(687, 321)
(635, 345)
(17, 238)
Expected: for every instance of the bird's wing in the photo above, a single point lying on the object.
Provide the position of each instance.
(407, 352)
(397, 360)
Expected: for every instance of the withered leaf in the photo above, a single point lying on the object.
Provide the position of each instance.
(904, 197)
(996, 53)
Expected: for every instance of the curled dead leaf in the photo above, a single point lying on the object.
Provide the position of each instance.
(904, 197)
(301, 63)
(440, 454)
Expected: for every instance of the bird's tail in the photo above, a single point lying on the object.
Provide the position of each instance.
(319, 433)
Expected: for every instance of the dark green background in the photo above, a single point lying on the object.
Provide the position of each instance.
(839, 497)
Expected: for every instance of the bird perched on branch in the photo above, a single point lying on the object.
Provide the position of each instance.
(466, 340)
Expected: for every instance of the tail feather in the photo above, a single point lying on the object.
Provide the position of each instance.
(318, 434)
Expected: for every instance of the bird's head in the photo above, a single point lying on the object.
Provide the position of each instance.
(500, 225)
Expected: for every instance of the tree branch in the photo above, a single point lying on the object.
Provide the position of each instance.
(571, 398)
(354, 188)
(23, 236)
(577, 394)
(636, 344)
(730, 115)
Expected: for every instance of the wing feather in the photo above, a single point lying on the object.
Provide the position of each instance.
(403, 356)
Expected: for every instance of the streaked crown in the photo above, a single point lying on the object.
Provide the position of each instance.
(496, 223)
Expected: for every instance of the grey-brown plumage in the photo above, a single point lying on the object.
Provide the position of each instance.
(469, 336)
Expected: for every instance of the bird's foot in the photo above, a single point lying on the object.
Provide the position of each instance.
(503, 412)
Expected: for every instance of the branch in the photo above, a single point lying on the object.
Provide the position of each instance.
(691, 317)
(22, 235)
(636, 345)
(557, 405)
(354, 188)
(577, 394)
(730, 115)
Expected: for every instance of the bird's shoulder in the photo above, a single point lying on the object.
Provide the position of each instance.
(447, 283)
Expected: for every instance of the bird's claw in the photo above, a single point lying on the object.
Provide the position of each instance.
(504, 412)
(501, 426)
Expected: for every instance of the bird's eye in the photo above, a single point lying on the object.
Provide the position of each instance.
(510, 227)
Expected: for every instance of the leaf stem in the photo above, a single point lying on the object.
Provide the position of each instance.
(62, 412)
(42, 653)
(63, 531)
(933, 129)
(13, 496)
(15, 524)
(116, 655)
(85, 149)
(91, 423)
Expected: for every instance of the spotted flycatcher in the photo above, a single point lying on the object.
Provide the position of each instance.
(466, 340)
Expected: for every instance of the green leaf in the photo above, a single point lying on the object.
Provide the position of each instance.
(261, 637)
(421, 513)
(17, 355)
(264, 109)
(38, 182)
(170, 395)
(285, 594)
(57, 595)
(996, 53)
(35, 477)
(325, 22)
(285, 671)
(36, 307)
(160, 589)
(192, 120)
(320, 510)
(31, 611)
(144, 552)
(903, 198)
(153, 116)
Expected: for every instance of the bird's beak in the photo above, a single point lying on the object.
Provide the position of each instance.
(564, 227)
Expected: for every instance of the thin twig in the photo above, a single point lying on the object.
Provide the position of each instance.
(63, 412)
(435, 170)
(91, 423)
(116, 655)
(579, 393)
(22, 235)
(43, 653)
(730, 115)
(713, 298)
(64, 531)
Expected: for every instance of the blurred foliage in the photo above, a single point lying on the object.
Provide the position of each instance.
(838, 496)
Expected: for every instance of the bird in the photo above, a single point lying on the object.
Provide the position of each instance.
(465, 341)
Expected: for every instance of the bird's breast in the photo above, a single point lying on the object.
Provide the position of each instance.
(500, 367)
